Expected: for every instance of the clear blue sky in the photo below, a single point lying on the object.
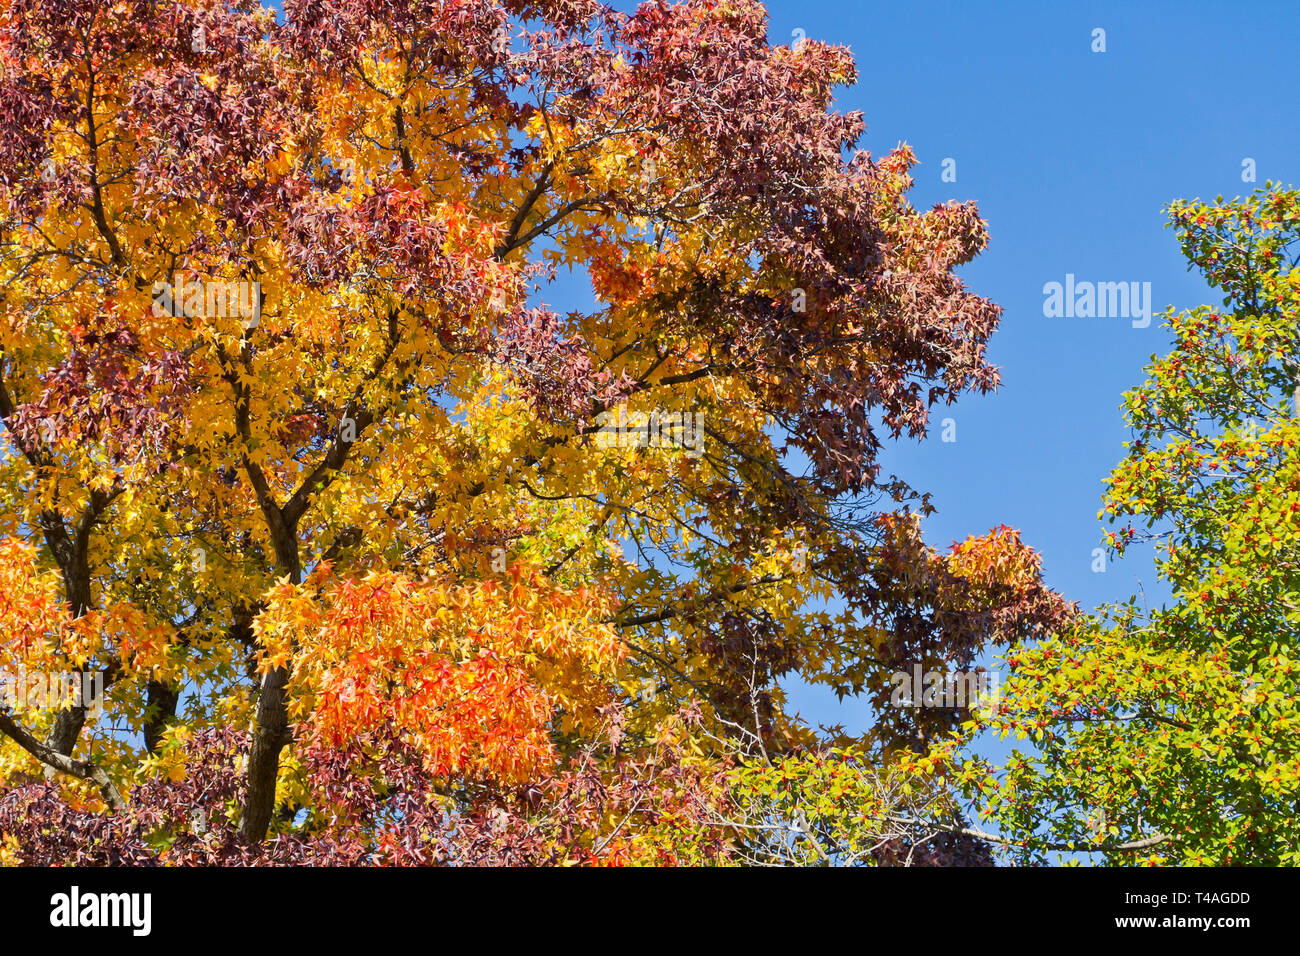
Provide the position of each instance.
(1070, 155)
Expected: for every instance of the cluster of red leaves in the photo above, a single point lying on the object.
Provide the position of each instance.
(984, 591)
(555, 370)
(945, 849)
(107, 390)
(183, 822)
(331, 35)
(205, 110)
(881, 297)
(942, 610)
(392, 231)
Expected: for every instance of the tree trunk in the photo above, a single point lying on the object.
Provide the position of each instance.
(270, 736)
(162, 701)
(271, 723)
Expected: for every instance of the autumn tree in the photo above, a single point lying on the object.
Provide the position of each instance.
(1172, 735)
(356, 527)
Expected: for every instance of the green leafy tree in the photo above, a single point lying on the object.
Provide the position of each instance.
(1173, 736)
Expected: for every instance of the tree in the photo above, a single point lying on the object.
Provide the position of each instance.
(285, 406)
(1171, 736)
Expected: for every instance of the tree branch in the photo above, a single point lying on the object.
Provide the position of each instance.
(81, 769)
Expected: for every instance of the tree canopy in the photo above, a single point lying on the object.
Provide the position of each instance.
(380, 558)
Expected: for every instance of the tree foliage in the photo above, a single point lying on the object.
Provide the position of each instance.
(300, 460)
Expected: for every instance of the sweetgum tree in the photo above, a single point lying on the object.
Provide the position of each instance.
(1173, 735)
(300, 461)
